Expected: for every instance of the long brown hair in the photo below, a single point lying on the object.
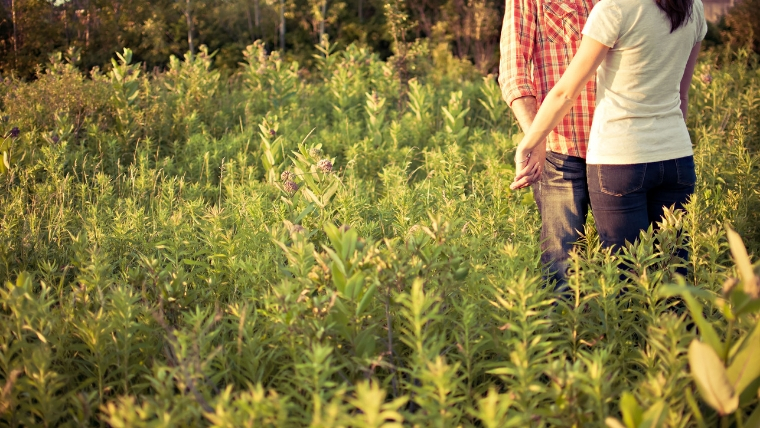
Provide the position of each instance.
(678, 11)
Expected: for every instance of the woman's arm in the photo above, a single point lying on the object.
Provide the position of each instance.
(555, 106)
(688, 72)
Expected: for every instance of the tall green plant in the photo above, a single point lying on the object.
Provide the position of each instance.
(726, 372)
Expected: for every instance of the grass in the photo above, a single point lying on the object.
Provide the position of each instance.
(157, 271)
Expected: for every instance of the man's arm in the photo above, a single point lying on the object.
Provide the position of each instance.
(518, 38)
(525, 109)
(518, 35)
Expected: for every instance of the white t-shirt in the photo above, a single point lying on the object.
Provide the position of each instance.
(638, 117)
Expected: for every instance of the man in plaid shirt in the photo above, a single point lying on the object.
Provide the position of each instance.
(538, 40)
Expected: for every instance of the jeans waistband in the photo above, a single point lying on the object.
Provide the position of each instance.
(565, 158)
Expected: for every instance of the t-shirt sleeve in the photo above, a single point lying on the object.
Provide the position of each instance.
(604, 23)
(699, 15)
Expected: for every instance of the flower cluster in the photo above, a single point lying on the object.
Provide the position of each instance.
(315, 152)
(291, 187)
(707, 78)
(14, 133)
(325, 165)
(287, 176)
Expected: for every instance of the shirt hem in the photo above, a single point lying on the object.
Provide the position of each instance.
(633, 160)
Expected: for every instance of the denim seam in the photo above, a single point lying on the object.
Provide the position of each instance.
(662, 172)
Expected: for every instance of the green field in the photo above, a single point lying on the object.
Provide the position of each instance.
(340, 247)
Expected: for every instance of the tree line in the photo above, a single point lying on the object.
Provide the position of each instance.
(30, 30)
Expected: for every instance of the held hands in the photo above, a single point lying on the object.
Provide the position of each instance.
(529, 164)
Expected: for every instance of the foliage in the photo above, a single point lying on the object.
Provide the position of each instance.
(157, 29)
(727, 373)
(742, 24)
(275, 249)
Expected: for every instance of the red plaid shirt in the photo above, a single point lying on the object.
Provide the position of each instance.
(538, 40)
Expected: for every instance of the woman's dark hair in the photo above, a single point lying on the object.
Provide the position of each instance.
(678, 11)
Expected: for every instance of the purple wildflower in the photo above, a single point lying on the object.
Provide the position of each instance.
(287, 176)
(291, 187)
(14, 132)
(56, 139)
(707, 78)
(325, 165)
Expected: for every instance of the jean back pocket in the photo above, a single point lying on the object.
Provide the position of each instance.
(687, 175)
(620, 180)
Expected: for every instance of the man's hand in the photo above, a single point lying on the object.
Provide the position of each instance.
(529, 164)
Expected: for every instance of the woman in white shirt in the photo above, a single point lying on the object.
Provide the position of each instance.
(639, 157)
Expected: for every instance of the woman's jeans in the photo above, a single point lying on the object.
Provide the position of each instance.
(626, 199)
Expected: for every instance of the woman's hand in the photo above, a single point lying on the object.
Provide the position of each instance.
(529, 164)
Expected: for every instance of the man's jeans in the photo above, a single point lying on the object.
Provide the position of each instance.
(563, 200)
(626, 199)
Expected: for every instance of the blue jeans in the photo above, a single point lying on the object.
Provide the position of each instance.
(563, 200)
(626, 199)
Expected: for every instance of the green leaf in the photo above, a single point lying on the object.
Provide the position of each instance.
(527, 199)
(743, 265)
(654, 417)
(754, 419)
(695, 409)
(749, 393)
(365, 343)
(448, 115)
(339, 316)
(614, 423)
(629, 407)
(192, 262)
(711, 378)
(366, 299)
(745, 367)
(679, 289)
(312, 197)
(749, 307)
(461, 273)
(333, 234)
(695, 308)
(338, 276)
(349, 243)
(306, 211)
(354, 285)
(330, 192)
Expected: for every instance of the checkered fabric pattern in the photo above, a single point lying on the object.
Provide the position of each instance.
(538, 40)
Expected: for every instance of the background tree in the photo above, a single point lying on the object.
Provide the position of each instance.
(743, 25)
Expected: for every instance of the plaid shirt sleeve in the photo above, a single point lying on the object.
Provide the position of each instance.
(518, 35)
